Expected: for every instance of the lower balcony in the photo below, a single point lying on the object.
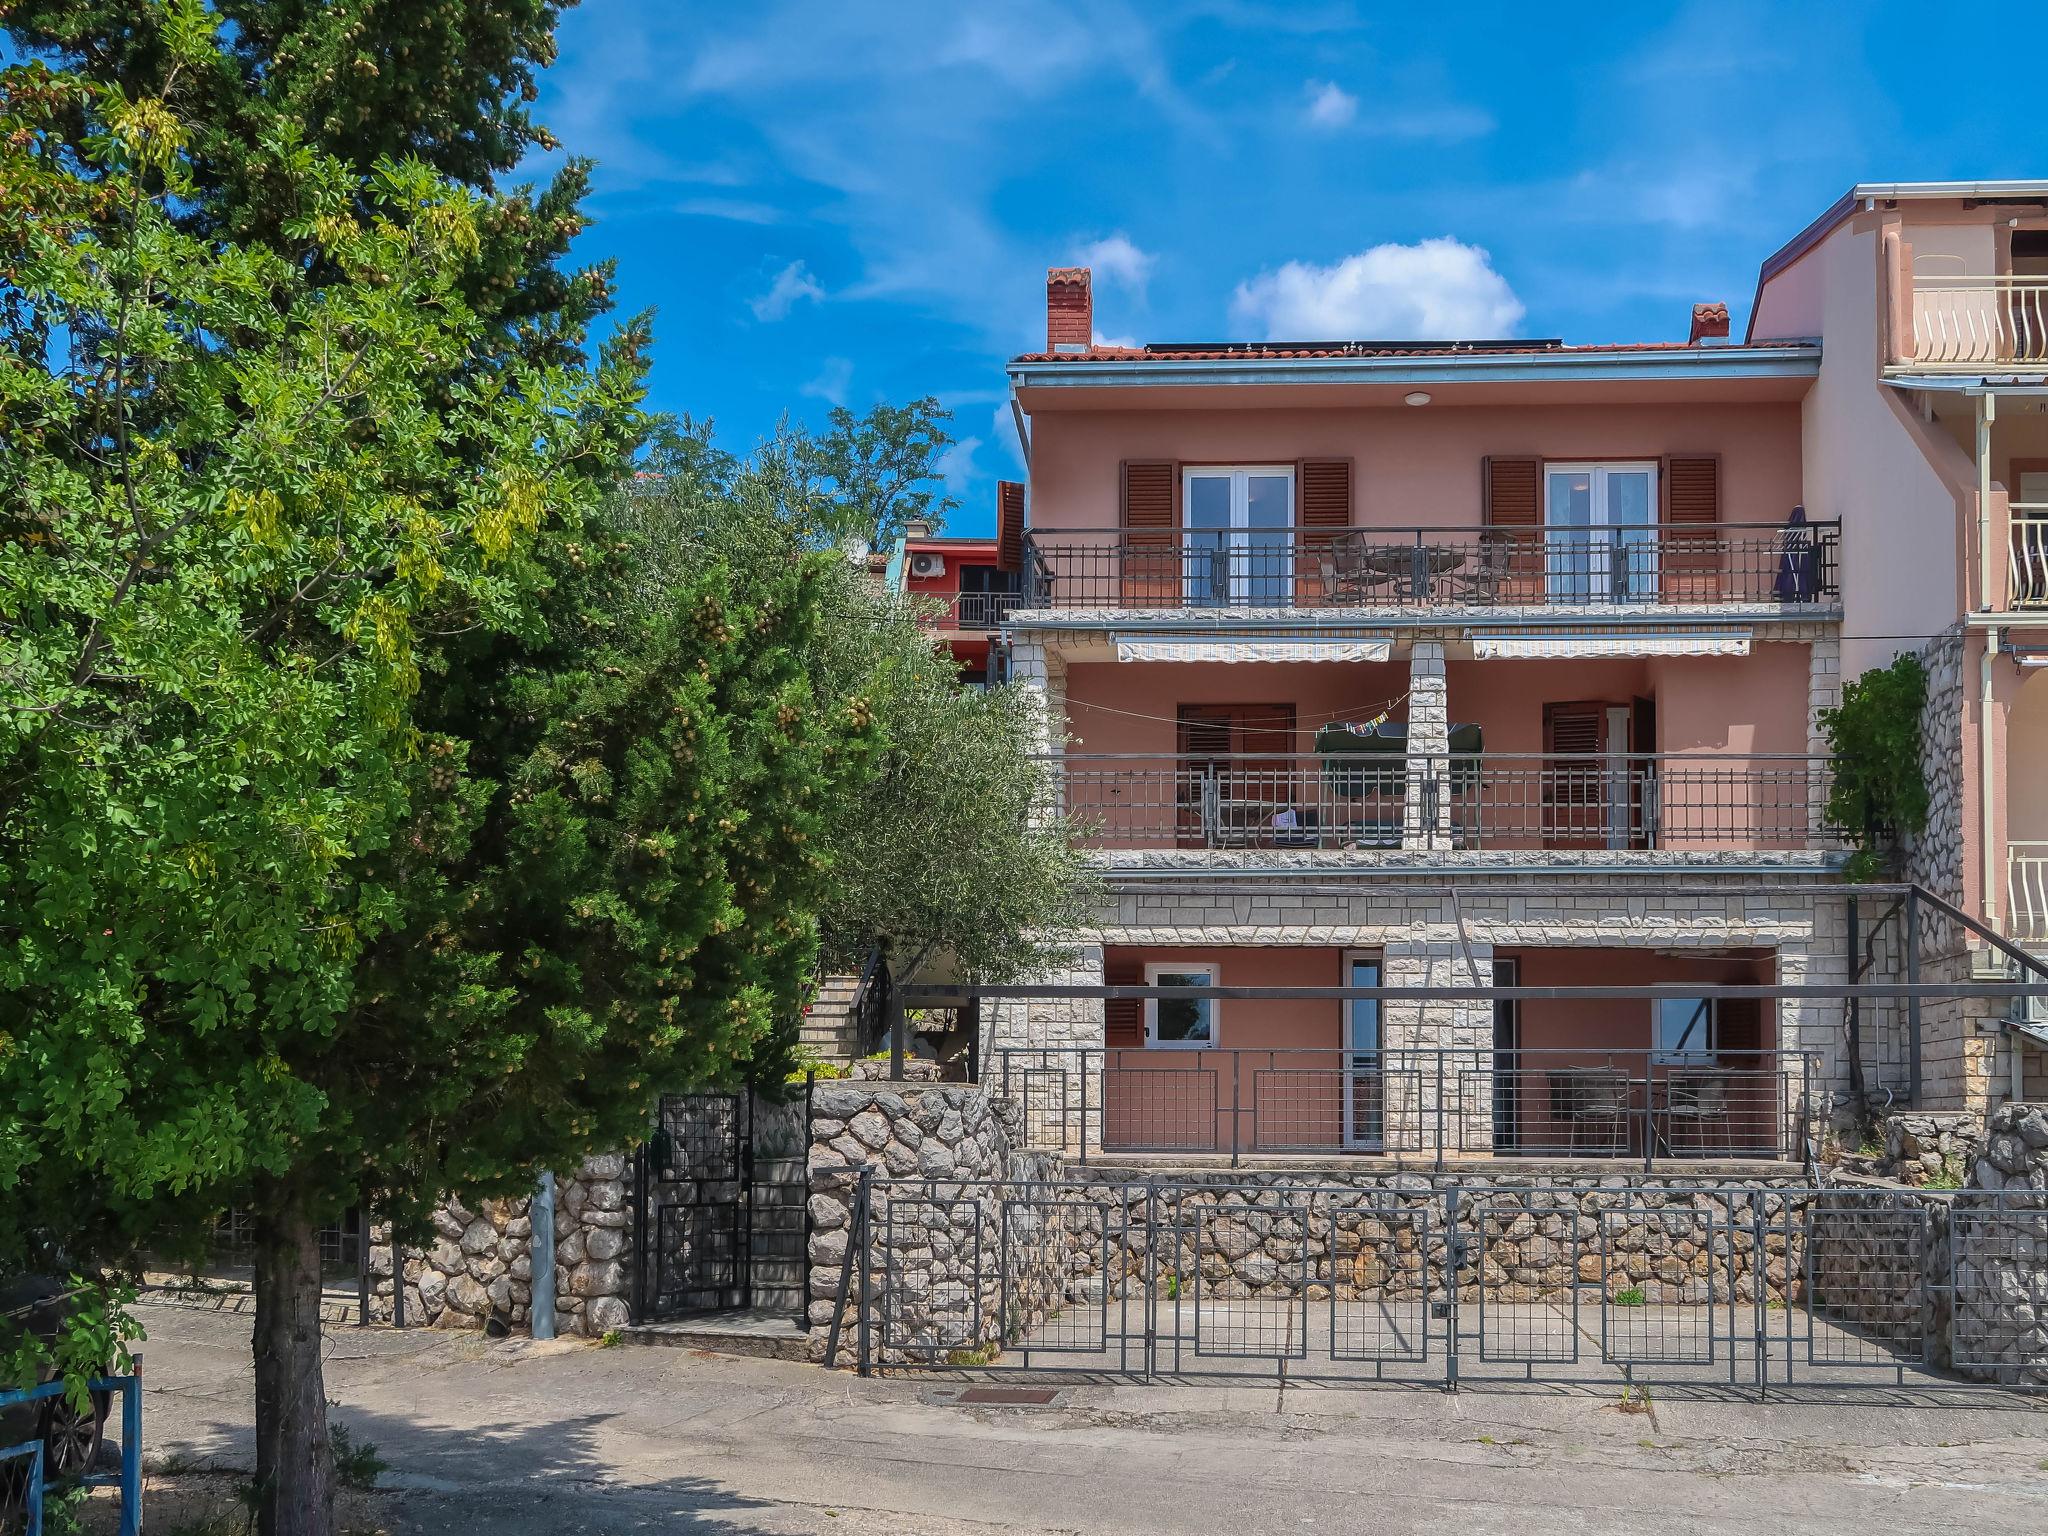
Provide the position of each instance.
(1417, 1105)
(1505, 802)
(2026, 887)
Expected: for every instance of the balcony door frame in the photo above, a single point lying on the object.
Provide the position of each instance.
(1355, 1070)
(1242, 583)
(1594, 565)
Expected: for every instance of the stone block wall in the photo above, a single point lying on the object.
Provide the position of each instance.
(2000, 1232)
(478, 1272)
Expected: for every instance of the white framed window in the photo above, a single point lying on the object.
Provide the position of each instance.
(1240, 533)
(1683, 1030)
(1603, 530)
(1180, 1024)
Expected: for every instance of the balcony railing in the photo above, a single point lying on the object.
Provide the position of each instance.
(1503, 801)
(2027, 571)
(1562, 1103)
(2026, 892)
(968, 610)
(1457, 567)
(1969, 322)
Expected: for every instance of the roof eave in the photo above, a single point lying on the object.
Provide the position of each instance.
(1777, 361)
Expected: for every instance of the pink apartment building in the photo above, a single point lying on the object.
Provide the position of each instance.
(1489, 662)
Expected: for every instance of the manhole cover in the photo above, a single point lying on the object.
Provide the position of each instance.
(1008, 1397)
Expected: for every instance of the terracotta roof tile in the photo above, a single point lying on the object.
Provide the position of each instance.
(1224, 353)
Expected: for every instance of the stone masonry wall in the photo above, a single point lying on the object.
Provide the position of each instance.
(478, 1272)
(2001, 1253)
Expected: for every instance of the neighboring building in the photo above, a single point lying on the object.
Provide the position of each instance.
(968, 586)
(1580, 608)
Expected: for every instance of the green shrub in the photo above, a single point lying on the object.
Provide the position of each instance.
(1879, 797)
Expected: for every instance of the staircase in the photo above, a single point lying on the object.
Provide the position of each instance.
(828, 1031)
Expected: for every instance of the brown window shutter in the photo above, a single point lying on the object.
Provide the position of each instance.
(1574, 814)
(1692, 516)
(1009, 525)
(1739, 1026)
(1148, 516)
(1123, 1018)
(1511, 506)
(1323, 493)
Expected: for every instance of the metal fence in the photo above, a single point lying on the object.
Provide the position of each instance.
(25, 1472)
(1429, 567)
(1642, 1285)
(1496, 800)
(1427, 1104)
(2027, 554)
(1967, 322)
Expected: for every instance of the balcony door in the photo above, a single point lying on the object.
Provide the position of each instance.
(1599, 780)
(1223, 800)
(1364, 1059)
(1602, 544)
(1240, 535)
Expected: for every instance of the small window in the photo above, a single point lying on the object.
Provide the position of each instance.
(1684, 1030)
(1183, 1024)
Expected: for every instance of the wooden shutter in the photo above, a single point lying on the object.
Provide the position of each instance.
(1692, 516)
(1148, 518)
(1009, 525)
(1123, 1019)
(1248, 794)
(1738, 1026)
(1322, 511)
(1511, 497)
(1574, 809)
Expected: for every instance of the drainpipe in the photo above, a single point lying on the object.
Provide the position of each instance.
(1987, 413)
(540, 1248)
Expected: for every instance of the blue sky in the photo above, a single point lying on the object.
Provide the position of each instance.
(856, 201)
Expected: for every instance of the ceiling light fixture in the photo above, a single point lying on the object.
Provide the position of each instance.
(1417, 398)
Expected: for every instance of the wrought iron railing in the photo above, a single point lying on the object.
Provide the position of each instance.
(1469, 566)
(1506, 801)
(1968, 322)
(2026, 887)
(1434, 1104)
(968, 610)
(2027, 571)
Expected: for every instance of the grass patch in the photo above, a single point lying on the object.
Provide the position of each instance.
(1634, 1400)
(1632, 1297)
(612, 1339)
(981, 1354)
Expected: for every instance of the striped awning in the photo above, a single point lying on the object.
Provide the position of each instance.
(1256, 645)
(1584, 644)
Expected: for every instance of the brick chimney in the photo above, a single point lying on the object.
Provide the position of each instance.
(1709, 322)
(1069, 309)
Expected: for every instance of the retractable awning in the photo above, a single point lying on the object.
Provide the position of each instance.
(1256, 645)
(1581, 645)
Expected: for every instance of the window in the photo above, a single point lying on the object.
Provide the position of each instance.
(1240, 532)
(1184, 1024)
(1684, 1030)
(1603, 532)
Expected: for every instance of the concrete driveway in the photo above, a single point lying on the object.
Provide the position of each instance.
(518, 1438)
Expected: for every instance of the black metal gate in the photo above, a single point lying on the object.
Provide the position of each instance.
(719, 1209)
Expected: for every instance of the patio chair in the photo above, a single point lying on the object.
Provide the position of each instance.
(1696, 1103)
(1344, 571)
(1594, 1102)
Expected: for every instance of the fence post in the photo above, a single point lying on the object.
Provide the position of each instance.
(1236, 1105)
(1437, 1110)
(867, 1223)
(1151, 1272)
(1083, 1127)
(1913, 1002)
(1453, 1251)
(646, 1254)
(363, 1284)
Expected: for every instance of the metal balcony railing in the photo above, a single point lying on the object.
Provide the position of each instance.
(1567, 1102)
(2026, 892)
(967, 610)
(2027, 570)
(1455, 567)
(1698, 802)
(1969, 322)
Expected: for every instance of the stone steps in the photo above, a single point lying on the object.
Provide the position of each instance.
(828, 1031)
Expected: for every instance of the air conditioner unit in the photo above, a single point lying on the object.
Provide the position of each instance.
(926, 564)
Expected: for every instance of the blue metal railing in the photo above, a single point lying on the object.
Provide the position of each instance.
(128, 1479)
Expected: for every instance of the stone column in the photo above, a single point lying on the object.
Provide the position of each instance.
(1439, 1062)
(1044, 1055)
(1426, 813)
(1043, 671)
(1823, 692)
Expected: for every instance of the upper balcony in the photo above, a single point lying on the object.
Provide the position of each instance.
(1965, 324)
(1547, 566)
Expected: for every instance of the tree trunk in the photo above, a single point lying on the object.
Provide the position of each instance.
(294, 1474)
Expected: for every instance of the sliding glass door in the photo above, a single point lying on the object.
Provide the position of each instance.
(1364, 1064)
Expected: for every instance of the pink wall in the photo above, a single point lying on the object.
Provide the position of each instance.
(1412, 467)
(1131, 706)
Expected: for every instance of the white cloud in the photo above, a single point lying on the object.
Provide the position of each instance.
(736, 209)
(1432, 290)
(1115, 259)
(1115, 341)
(833, 383)
(1330, 105)
(957, 468)
(792, 285)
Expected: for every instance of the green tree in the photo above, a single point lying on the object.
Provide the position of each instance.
(248, 492)
(1879, 793)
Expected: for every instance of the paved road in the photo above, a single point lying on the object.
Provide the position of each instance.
(521, 1439)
